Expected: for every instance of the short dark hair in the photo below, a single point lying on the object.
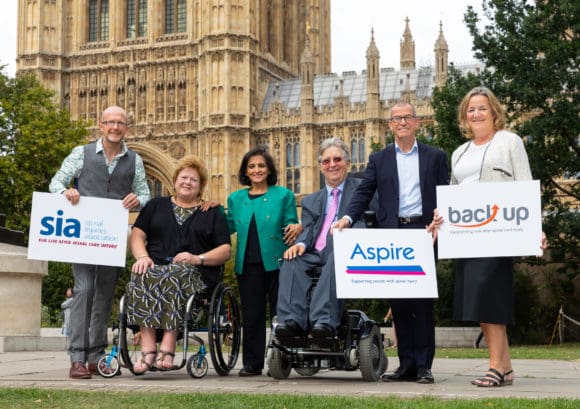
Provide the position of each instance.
(263, 152)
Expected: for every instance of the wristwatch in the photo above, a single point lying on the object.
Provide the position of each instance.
(201, 259)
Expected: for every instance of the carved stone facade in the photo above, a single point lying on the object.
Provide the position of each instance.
(201, 77)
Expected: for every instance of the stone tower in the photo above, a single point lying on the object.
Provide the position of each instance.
(191, 73)
(441, 58)
(407, 47)
(373, 89)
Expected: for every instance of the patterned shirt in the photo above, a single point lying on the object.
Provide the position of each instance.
(73, 164)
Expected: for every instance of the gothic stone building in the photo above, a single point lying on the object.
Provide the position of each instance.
(214, 78)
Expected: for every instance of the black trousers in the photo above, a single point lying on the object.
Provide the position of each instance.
(415, 325)
(258, 287)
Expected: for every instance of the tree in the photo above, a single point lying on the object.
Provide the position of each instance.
(446, 101)
(533, 48)
(35, 136)
(531, 51)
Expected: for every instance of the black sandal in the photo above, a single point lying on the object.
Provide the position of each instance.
(493, 378)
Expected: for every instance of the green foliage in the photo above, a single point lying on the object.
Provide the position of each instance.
(35, 136)
(533, 48)
(446, 100)
(54, 287)
(443, 305)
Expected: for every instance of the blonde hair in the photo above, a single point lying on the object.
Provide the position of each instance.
(496, 110)
(193, 162)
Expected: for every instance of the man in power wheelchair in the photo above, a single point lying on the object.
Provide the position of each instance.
(180, 245)
(311, 332)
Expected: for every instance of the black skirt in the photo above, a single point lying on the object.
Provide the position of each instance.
(484, 290)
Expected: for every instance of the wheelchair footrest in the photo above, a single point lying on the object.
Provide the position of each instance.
(293, 342)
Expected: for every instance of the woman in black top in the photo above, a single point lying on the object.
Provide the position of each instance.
(179, 248)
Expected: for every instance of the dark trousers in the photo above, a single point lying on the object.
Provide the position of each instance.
(257, 287)
(415, 325)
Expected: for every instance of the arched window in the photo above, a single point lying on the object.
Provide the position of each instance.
(136, 18)
(293, 163)
(175, 16)
(357, 150)
(98, 20)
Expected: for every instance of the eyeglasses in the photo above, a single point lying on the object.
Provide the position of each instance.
(407, 118)
(119, 124)
(336, 160)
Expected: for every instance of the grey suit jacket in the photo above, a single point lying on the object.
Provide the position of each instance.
(313, 207)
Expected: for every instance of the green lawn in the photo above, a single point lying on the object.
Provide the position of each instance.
(48, 399)
(566, 352)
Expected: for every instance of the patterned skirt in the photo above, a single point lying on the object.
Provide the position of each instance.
(157, 298)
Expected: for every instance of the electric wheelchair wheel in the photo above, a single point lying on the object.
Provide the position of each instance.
(197, 366)
(279, 365)
(372, 358)
(306, 371)
(224, 329)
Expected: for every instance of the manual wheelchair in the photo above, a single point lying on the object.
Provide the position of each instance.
(357, 345)
(223, 329)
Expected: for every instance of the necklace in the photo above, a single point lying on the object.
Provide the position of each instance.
(193, 205)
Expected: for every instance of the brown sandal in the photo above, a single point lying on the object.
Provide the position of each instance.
(142, 362)
(160, 361)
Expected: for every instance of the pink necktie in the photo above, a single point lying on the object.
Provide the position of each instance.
(330, 215)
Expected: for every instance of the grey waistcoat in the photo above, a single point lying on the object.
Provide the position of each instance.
(95, 180)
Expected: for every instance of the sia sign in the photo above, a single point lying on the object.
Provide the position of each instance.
(92, 232)
(384, 263)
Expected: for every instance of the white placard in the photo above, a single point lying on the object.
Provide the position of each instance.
(384, 263)
(94, 231)
(490, 219)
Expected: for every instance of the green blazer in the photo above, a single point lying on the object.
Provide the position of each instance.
(274, 211)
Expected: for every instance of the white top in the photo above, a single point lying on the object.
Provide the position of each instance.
(504, 160)
(468, 169)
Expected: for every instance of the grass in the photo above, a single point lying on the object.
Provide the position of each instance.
(566, 352)
(48, 399)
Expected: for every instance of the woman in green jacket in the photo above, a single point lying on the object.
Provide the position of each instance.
(265, 220)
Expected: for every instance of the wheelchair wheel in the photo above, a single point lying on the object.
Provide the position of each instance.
(224, 329)
(124, 350)
(306, 371)
(128, 352)
(108, 366)
(197, 366)
(279, 365)
(372, 356)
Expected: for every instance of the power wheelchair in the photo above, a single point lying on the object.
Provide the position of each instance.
(357, 345)
(223, 336)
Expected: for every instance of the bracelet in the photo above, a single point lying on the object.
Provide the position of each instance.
(140, 257)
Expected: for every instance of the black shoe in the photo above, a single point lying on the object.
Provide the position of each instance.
(424, 375)
(322, 331)
(400, 375)
(250, 372)
(289, 328)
